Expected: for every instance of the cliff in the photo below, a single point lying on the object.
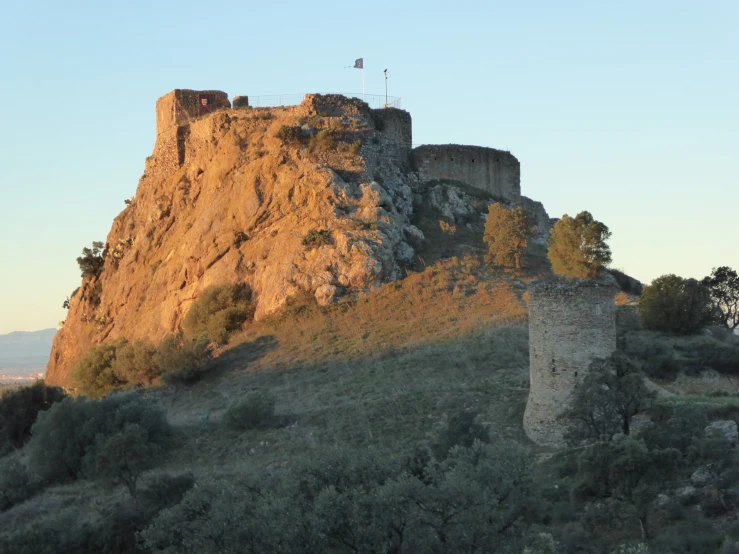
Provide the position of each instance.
(236, 195)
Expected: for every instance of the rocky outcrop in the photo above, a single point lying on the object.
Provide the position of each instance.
(223, 198)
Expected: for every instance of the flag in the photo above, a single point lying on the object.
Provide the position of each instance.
(359, 63)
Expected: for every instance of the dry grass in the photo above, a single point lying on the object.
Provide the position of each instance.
(385, 369)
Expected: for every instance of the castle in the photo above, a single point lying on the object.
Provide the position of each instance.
(497, 172)
(569, 326)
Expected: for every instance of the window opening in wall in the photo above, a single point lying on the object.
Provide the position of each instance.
(473, 160)
(576, 374)
(553, 367)
(452, 159)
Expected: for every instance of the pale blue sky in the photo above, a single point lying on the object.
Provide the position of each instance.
(627, 109)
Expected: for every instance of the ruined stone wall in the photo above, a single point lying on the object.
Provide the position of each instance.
(569, 326)
(495, 171)
(181, 106)
(397, 128)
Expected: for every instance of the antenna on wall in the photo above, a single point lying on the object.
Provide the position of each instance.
(385, 88)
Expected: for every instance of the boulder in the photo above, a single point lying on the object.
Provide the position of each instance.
(325, 294)
(725, 429)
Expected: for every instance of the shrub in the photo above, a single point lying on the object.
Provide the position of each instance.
(713, 354)
(68, 436)
(316, 237)
(18, 411)
(324, 141)
(92, 260)
(93, 375)
(289, 133)
(113, 528)
(15, 483)
(675, 305)
(254, 410)
(135, 362)
(125, 455)
(462, 429)
(219, 311)
(473, 502)
(183, 361)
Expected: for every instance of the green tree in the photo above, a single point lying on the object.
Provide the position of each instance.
(92, 260)
(183, 361)
(675, 305)
(723, 286)
(126, 454)
(610, 395)
(67, 437)
(627, 471)
(18, 411)
(15, 483)
(507, 232)
(577, 247)
(135, 362)
(349, 500)
(93, 374)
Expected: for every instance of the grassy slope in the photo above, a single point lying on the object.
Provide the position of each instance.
(386, 369)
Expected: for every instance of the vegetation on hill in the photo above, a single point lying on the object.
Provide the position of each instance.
(577, 246)
(723, 285)
(390, 422)
(671, 303)
(507, 232)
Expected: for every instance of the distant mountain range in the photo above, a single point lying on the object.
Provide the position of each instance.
(25, 353)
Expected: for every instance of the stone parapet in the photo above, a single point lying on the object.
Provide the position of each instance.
(495, 171)
(182, 105)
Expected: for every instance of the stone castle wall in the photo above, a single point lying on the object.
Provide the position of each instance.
(495, 171)
(569, 326)
(182, 105)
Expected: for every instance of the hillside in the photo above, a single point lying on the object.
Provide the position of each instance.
(23, 344)
(377, 413)
(323, 198)
(24, 354)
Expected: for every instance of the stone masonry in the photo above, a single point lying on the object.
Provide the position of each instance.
(569, 326)
(495, 171)
(183, 105)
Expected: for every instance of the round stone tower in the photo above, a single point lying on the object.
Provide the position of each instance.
(569, 326)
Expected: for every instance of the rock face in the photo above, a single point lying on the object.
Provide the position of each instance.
(316, 198)
(224, 199)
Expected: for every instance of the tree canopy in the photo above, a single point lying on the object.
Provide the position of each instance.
(723, 286)
(676, 305)
(577, 246)
(611, 394)
(507, 232)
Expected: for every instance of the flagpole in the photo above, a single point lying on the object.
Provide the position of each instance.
(363, 82)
